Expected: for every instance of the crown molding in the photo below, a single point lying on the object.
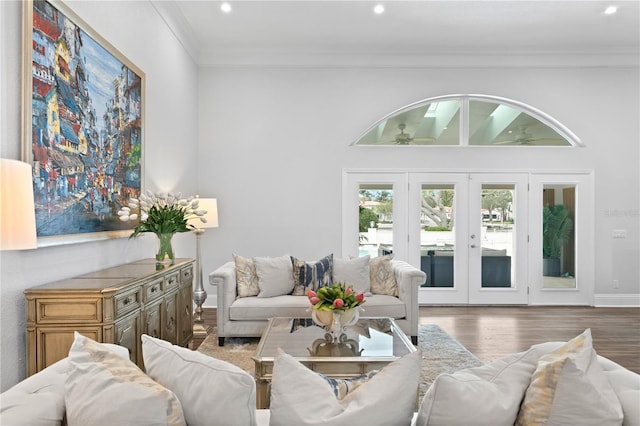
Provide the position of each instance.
(171, 15)
(458, 59)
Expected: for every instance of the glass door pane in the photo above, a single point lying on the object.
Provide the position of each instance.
(375, 224)
(437, 234)
(498, 228)
(558, 236)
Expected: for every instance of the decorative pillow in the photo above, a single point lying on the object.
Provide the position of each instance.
(275, 275)
(480, 396)
(211, 390)
(382, 279)
(301, 397)
(246, 276)
(311, 275)
(569, 387)
(103, 388)
(353, 272)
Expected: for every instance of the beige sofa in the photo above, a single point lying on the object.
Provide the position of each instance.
(490, 394)
(248, 316)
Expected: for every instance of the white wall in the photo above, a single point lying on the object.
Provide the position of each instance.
(271, 144)
(275, 140)
(136, 29)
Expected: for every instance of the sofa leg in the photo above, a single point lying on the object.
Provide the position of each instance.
(414, 340)
(220, 341)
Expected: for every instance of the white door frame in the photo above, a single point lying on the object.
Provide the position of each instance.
(583, 293)
(517, 294)
(459, 293)
(407, 242)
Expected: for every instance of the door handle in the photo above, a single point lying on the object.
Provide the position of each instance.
(473, 246)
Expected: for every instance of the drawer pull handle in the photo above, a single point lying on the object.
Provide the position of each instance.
(122, 333)
(154, 289)
(127, 300)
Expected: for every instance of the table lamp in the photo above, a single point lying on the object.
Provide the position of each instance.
(199, 294)
(17, 211)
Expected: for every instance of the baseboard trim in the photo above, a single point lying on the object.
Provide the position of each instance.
(617, 300)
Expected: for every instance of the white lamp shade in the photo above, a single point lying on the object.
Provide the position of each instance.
(17, 211)
(211, 206)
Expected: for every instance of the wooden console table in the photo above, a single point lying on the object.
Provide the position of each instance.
(113, 305)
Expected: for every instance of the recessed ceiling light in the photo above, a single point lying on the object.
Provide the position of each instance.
(379, 9)
(225, 7)
(611, 10)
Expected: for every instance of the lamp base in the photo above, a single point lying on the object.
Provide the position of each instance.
(200, 330)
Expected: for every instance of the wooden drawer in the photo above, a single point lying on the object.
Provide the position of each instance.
(172, 281)
(153, 289)
(127, 302)
(74, 310)
(186, 275)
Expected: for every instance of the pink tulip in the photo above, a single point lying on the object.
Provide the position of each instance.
(338, 303)
(314, 300)
(349, 290)
(311, 293)
(359, 297)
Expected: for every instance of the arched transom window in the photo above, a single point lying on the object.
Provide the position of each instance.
(468, 120)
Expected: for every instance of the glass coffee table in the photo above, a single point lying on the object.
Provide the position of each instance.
(369, 344)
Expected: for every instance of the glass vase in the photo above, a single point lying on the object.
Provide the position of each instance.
(165, 255)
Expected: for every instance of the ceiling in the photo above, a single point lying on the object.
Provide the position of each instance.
(302, 31)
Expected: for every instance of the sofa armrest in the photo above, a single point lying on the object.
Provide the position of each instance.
(224, 278)
(409, 279)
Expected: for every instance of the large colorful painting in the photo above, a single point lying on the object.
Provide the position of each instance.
(83, 126)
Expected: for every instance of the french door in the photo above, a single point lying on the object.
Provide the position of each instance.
(477, 236)
(472, 241)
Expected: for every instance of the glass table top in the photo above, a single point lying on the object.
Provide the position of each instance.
(377, 338)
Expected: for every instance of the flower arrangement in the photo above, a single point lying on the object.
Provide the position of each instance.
(162, 213)
(339, 296)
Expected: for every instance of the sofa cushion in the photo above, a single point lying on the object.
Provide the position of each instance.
(626, 385)
(210, 390)
(311, 275)
(355, 272)
(300, 396)
(101, 387)
(256, 308)
(37, 400)
(382, 279)
(569, 387)
(246, 276)
(489, 395)
(275, 275)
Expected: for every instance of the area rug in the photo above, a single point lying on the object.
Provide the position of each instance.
(441, 353)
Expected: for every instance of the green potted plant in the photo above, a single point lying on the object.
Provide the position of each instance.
(556, 231)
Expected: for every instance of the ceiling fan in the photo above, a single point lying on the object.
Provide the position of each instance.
(403, 138)
(526, 138)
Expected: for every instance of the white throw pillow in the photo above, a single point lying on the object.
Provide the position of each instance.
(275, 275)
(210, 390)
(102, 388)
(381, 273)
(480, 396)
(569, 387)
(300, 396)
(353, 272)
(246, 276)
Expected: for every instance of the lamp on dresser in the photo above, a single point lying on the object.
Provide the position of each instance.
(17, 211)
(199, 294)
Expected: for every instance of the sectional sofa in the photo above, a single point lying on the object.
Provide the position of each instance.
(551, 383)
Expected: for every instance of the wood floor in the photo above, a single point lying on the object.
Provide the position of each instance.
(491, 332)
